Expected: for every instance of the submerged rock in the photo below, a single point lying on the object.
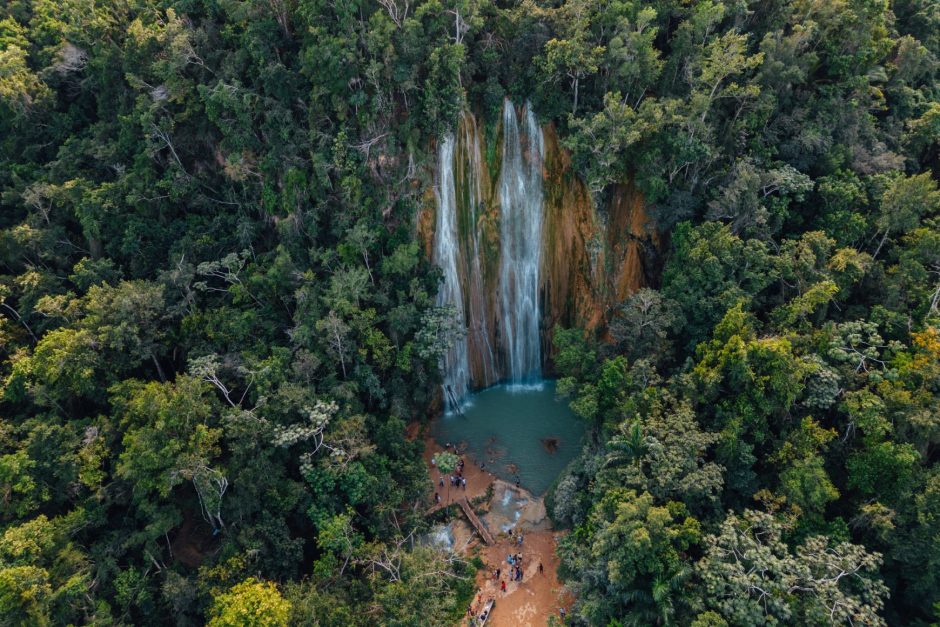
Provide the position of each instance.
(550, 444)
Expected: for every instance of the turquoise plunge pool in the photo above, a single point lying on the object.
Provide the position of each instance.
(520, 432)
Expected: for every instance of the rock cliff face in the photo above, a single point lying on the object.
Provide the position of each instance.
(505, 190)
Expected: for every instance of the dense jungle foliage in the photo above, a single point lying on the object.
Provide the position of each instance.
(218, 319)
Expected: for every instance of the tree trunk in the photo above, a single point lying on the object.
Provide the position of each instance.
(880, 244)
(574, 109)
(156, 363)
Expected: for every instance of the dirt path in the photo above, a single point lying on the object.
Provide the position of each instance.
(526, 603)
(530, 602)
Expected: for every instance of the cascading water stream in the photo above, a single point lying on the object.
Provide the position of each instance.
(478, 318)
(520, 197)
(446, 254)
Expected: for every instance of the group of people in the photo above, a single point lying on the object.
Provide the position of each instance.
(456, 480)
(515, 566)
(515, 569)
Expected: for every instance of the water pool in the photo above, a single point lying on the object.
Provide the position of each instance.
(518, 432)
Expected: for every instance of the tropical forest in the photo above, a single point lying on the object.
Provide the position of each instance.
(504, 313)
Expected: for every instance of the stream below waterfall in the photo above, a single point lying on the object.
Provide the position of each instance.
(519, 432)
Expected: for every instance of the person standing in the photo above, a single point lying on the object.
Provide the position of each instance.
(502, 585)
(541, 570)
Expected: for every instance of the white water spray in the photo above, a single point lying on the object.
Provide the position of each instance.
(520, 196)
(446, 252)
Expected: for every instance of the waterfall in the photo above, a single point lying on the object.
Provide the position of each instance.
(523, 248)
(520, 198)
(446, 253)
(478, 318)
(488, 241)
